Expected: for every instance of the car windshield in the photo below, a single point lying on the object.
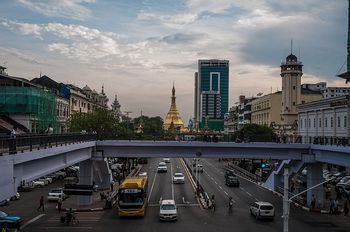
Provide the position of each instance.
(178, 175)
(56, 191)
(3, 214)
(266, 207)
(168, 207)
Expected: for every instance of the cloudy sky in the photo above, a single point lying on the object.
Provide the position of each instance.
(138, 48)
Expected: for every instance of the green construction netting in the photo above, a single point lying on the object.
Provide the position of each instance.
(38, 104)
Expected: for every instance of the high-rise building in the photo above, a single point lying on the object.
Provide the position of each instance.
(211, 94)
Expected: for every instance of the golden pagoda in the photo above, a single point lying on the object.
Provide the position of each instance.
(173, 119)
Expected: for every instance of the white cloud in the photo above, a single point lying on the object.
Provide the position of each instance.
(59, 8)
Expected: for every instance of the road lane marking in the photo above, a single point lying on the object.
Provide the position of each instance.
(256, 199)
(154, 180)
(220, 187)
(248, 193)
(32, 220)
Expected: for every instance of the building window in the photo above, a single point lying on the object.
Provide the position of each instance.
(293, 103)
(309, 123)
(319, 122)
(331, 122)
(314, 122)
(301, 123)
(338, 121)
(294, 87)
(345, 121)
(325, 122)
(302, 102)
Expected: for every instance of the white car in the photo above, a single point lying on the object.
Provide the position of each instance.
(162, 167)
(178, 178)
(56, 194)
(38, 183)
(46, 182)
(49, 179)
(168, 210)
(261, 209)
(61, 174)
(166, 160)
(143, 174)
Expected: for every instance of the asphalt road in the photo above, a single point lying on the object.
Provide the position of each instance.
(191, 217)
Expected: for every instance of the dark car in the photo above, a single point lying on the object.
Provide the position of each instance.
(229, 173)
(11, 220)
(232, 181)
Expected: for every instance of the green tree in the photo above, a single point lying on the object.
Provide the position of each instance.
(102, 121)
(152, 126)
(255, 133)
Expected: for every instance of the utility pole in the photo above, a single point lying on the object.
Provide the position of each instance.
(285, 201)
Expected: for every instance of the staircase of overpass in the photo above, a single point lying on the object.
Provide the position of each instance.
(36, 156)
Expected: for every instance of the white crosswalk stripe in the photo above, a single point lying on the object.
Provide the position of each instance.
(82, 217)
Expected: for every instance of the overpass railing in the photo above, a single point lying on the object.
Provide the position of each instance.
(36, 142)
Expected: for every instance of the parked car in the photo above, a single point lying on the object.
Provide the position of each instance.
(61, 174)
(56, 194)
(343, 188)
(15, 197)
(232, 181)
(4, 202)
(27, 187)
(168, 210)
(12, 221)
(178, 178)
(53, 176)
(38, 183)
(262, 209)
(344, 179)
(162, 167)
(46, 182)
(49, 179)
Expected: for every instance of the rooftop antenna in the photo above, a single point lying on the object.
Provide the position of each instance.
(291, 46)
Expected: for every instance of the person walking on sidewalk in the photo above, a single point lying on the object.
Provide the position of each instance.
(313, 201)
(59, 204)
(41, 204)
(112, 185)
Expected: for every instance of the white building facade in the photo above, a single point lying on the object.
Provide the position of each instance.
(325, 121)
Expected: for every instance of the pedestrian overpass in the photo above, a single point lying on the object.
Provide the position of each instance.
(31, 164)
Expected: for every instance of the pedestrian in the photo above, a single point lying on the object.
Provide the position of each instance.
(331, 206)
(112, 186)
(13, 141)
(49, 130)
(59, 204)
(41, 204)
(336, 204)
(119, 179)
(346, 207)
(313, 201)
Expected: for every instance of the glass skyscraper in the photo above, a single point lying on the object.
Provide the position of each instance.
(211, 94)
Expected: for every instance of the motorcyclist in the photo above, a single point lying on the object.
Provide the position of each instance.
(69, 215)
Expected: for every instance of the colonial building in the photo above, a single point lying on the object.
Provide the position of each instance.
(266, 110)
(173, 121)
(86, 100)
(325, 121)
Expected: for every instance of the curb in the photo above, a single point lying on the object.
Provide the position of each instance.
(322, 211)
(85, 210)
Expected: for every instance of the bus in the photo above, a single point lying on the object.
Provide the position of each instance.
(132, 197)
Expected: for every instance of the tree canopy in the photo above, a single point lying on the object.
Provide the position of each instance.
(255, 133)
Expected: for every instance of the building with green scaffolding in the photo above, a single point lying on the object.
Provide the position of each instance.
(28, 106)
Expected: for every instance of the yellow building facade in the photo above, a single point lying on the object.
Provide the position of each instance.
(267, 109)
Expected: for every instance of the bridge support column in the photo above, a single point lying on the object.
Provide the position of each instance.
(85, 177)
(314, 177)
